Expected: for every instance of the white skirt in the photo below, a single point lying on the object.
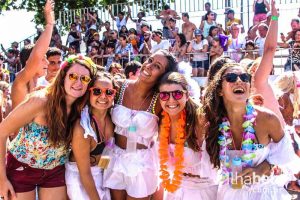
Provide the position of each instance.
(194, 188)
(137, 173)
(75, 188)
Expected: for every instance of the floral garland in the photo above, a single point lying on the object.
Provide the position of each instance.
(167, 183)
(248, 146)
(86, 60)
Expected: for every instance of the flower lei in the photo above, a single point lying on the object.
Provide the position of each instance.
(167, 183)
(88, 61)
(248, 146)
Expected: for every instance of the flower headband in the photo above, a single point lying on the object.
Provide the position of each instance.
(81, 60)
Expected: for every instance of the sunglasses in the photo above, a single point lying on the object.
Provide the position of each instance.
(85, 79)
(98, 91)
(177, 95)
(232, 77)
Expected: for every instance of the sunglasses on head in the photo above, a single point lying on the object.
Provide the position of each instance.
(98, 91)
(177, 95)
(232, 77)
(85, 79)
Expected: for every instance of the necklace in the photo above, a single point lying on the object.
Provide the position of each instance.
(132, 112)
(167, 183)
(102, 133)
(248, 146)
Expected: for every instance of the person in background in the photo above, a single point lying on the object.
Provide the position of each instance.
(207, 7)
(124, 51)
(188, 27)
(250, 48)
(157, 36)
(123, 31)
(199, 48)
(121, 20)
(74, 38)
(27, 42)
(216, 50)
(180, 47)
(235, 42)
(207, 23)
(295, 25)
(260, 40)
(132, 70)
(260, 9)
(231, 19)
(138, 21)
(115, 68)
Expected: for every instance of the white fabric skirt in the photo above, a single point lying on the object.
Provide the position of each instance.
(137, 173)
(75, 188)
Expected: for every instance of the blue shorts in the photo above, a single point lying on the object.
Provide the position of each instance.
(200, 64)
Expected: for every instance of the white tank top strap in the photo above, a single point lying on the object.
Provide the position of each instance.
(122, 91)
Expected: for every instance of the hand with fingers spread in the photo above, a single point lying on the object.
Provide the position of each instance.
(6, 190)
(49, 12)
(274, 10)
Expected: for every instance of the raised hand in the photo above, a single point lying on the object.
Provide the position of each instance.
(49, 12)
(274, 10)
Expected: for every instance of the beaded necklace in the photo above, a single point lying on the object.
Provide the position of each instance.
(248, 146)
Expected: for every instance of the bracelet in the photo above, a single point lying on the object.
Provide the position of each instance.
(274, 18)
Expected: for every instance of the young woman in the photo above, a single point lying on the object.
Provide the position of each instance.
(181, 149)
(241, 135)
(207, 23)
(37, 155)
(90, 133)
(133, 173)
(180, 47)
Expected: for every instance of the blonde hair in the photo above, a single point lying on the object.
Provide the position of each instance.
(286, 83)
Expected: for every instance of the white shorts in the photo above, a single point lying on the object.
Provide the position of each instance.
(75, 188)
(137, 173)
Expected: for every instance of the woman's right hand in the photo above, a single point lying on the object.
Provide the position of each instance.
(6, 190)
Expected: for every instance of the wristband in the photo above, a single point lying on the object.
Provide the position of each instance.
(274, 18)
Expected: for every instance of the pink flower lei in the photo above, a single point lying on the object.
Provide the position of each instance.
(248, 146)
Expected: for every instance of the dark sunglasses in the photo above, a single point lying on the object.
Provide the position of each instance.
(232, 77)
(98, 91)
(85, 79)
(177, 95)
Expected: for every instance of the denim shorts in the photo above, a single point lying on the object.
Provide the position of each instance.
(200, 64)
(25, 178)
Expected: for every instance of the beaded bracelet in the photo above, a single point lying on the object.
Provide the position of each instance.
(274, 18)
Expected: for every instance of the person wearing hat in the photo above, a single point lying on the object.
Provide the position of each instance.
(160, 43)
(199, 48)
(188, 27)
(231, 19)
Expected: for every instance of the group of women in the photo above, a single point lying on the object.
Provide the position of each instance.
(88, 136)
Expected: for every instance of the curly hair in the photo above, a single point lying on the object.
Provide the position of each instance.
(192, 109)
(59, 123)
(214, 110)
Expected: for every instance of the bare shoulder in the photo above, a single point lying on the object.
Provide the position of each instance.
(78, 130)
(266, 117)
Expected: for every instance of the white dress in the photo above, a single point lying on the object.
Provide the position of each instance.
(137, 173)
(203, 188)
(270, 188)
(75, 189)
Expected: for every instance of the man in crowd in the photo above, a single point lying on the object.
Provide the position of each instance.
(188, 27)
(160, 43)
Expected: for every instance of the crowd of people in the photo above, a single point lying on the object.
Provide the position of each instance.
(127, 121)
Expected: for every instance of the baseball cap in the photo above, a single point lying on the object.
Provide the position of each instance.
(144, 24)
(158, 32)
(93, 27)
(229, 11)
(198, 32)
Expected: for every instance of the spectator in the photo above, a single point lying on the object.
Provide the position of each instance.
(199, 48)
(216, 49)
(160, 43)
(55, 36)
(115, 68)
(4, 74)
(207, 6)
(231, 19)
(133, 39)
(260, 9)
(89, 37)
(208, 22)
(214, 31)
(96, 40)
(188, 27)
(27, 42)
(124, 51)
(235, 43)
(180, 47)
(6, 101)
(250, 48)
(145, 27)
(11, 61)
(74, 38)
(109, 55)
(78, 24)
(173, 31)
(54, 57)
(132, 70)
(112, 38)
(260, 40)
(165, 15)
(106, 32)
(138, 22)
(295, 25)
(293, 61)
(94, 52)
(123, 31)
(146, 46)
(121, 20)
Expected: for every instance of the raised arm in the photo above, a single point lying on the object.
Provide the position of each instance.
(267, 5)
(265, 67)
(20, 116)
(35, 60)
(110, 13)
(128, 13)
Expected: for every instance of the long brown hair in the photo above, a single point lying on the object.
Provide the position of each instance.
(214, 110)
(191, 108)
(59, 123)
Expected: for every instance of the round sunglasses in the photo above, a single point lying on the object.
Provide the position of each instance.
(176, 94)
(232, 77)
(85, 79)
(98, 91)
